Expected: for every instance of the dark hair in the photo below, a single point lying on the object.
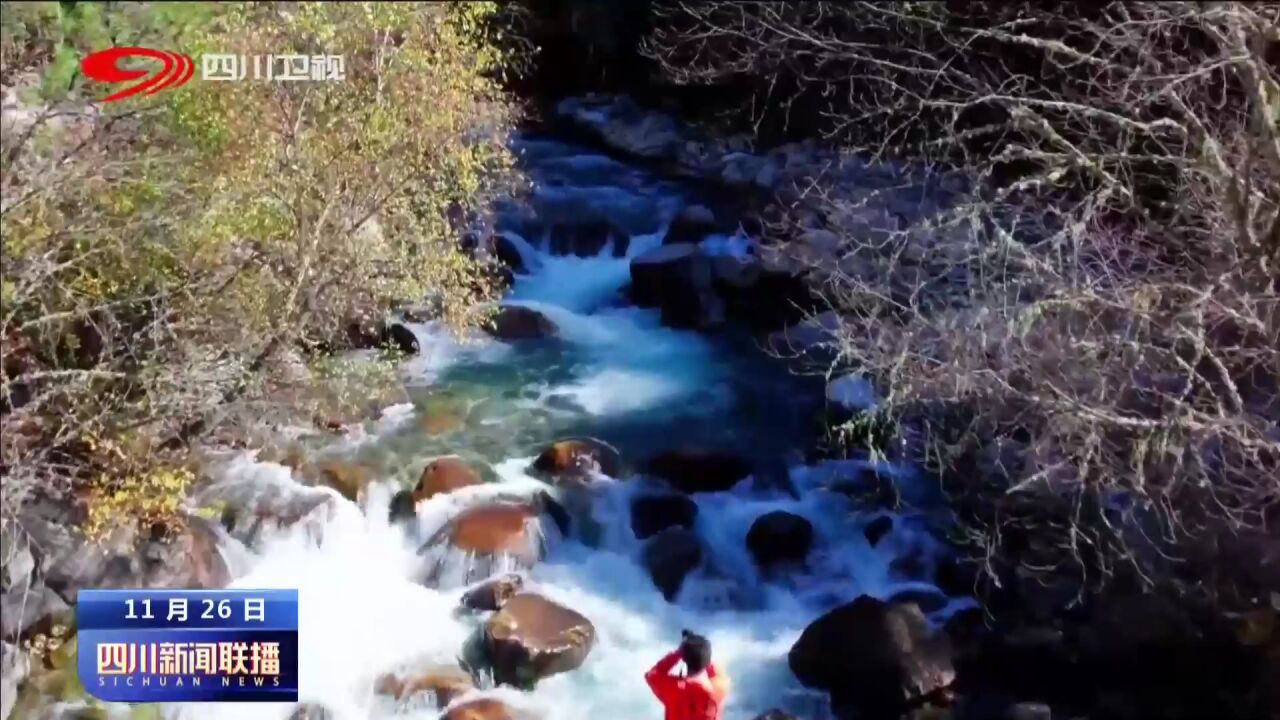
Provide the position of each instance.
(695, 650)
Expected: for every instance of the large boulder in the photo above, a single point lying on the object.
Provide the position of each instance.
(651, 514)
(491, 595)
(184, 555)
(624, 126)
(489, 537)
(445, 683)
(677, 279)
(878, 657)
(257, 504)
(692, 225)
(348, 478)
(444, 475)
(877, 529)
(574, 457)
(517, 322)
(779, 537)
(693, 470)
(671, 555)
(532, 638)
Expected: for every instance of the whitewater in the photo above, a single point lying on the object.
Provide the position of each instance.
(617, 373)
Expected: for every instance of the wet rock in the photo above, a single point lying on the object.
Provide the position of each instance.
(928, 600)
(401, 338)
(652, 514)
(671, 555)
(532, 638)
(880, 658)
(484, 709)
(772, 475)
(692, 225)
(624, 126)
(805, 337)
(491, 595)
(505, 529)
(439, 419)
(444, 682)
(444, 475)
(693, 470)
(677, 279)
(347, 478)
(252, 506)
(878, 528)
(505, 249)
(402, 507)
(779, 537)
(516, 322)
(576, 456)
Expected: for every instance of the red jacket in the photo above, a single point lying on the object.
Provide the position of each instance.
(698, 698)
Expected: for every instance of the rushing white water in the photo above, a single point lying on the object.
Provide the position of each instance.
(363, 613)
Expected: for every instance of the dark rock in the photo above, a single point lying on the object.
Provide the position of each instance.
(516, 322)
(443, 475)
(575, 456)
(365, 333)
(693, 470)
(878, 528)
(532, 638)
(652, 514)
(779, 537)
(492, 594)
(880, 658)
(505, 249)
(669, 274)
(402, 507)
(670, 556)
(692, 225)
(773, 475)
(402, 338)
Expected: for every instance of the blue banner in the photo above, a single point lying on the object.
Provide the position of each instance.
(141, 646)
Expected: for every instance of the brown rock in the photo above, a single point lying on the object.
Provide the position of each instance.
(445, 682)
(493, 594)
(693, 470)
(444, 475)
(439, 422)
(532, 638)
(482, 709)
(497, 529)
(575, 455)
(345, 477)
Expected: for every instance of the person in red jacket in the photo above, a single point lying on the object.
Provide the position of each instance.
(700, 693)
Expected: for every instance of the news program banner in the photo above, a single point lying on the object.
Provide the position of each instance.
(140, 646)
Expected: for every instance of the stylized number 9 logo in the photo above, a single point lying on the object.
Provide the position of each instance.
(101, 66)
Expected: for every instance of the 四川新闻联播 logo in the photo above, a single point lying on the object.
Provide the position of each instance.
(178, 69)
(102, 66)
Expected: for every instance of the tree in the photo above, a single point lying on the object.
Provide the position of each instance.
(164, 255)
(1097, 309)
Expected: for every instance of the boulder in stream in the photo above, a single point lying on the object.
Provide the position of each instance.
(779, 537)
(498, 535)
(574, 457)
(670, 556)
(493, 593)
(444, 475)
(517, 322)
(878, 657)
(693, 470)
(677, 279)
(877, 529)
(651, 514)
(444, 682)
(532, 638)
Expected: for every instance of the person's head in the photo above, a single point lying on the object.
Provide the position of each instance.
(695, 650)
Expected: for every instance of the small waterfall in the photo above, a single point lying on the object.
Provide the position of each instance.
(613, 372)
